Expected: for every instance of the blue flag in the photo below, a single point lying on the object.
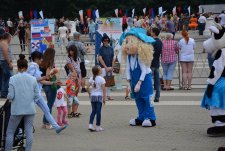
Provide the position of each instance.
(93, 15)
(35, 14)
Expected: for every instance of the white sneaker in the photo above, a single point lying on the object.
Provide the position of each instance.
(99, 129)
(132, 122)
(91, 128)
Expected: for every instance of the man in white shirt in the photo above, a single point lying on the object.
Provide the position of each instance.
(63, 34)
(222, 18)
(201, 24)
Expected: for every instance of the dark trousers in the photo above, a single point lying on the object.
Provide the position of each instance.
(201, 28)
(5, 76)
(22, 43)
(50, 95)
(96, 110)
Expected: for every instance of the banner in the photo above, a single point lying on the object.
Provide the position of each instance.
(81, 16)
(116, 12)
(110, 26)
(97, 14)
(20, 14)
(41, 14)
(160, 10)
(174, 10)
(144, 10)
(42, 34)
(31, 14)
(133, 12)
(89, 13)
(189, 10)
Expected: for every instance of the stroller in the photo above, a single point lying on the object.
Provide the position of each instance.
(18, 143)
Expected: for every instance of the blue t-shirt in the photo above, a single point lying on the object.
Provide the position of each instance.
(107, 55)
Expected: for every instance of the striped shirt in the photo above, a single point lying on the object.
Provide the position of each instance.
(169, 51)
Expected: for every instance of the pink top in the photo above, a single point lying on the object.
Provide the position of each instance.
(169, 51)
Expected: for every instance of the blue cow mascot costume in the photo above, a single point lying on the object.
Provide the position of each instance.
(214, 97)
(138, 52)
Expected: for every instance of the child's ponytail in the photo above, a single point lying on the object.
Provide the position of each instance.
(95, 71)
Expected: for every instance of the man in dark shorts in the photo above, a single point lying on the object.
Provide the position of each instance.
(81, 52)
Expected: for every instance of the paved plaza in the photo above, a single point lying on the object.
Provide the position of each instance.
(181, 122)
(181, 126)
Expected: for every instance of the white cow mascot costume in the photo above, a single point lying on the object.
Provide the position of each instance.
(214, 97)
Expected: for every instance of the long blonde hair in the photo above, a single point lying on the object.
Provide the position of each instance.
(144, 50)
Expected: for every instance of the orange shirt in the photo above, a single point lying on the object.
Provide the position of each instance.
(72, 87)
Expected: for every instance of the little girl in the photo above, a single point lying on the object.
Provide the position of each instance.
(61, 104)
(72, 89)
(97, 96)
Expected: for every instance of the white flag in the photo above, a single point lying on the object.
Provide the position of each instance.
(81, 15)
(144, 10)
(164, 12)
(116, 12)
(133, 12)
(189, 10)
(174, 10)
(160, 10)
(41, 14)
(20, 13)
(97, 13)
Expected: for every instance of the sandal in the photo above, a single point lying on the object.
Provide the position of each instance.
(127, 98)
(109, 98)
(76, 114)
(70, 115)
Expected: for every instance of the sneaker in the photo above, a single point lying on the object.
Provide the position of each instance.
(156, 100)
(99, 129)
(83, 90)
(91, 128)
(221, 149)
(60, 129)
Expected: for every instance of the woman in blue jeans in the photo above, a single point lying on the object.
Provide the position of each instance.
(34, 70)
(169, 60)
(50, 90)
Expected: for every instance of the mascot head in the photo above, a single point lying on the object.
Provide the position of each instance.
(136, 42)
(217, 41)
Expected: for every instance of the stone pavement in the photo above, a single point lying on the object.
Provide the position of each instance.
(181, 126)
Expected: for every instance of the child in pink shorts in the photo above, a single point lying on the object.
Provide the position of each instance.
(61, 106)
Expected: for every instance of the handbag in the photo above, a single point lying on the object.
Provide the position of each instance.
(109, 79)
(116, 67)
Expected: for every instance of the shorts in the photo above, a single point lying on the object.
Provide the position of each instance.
(72, 100)
(83, 70)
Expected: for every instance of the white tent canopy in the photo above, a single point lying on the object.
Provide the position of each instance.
(216, 9)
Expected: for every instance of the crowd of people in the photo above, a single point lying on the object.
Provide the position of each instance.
(42, 73)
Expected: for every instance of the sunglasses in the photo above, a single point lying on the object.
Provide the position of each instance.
(106, 40)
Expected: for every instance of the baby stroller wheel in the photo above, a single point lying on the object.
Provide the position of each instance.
(21, 149)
